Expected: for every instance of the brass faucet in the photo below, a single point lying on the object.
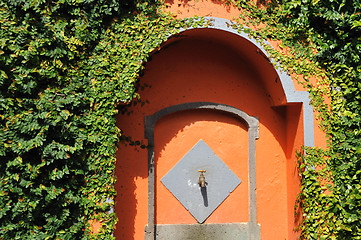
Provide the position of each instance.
(202, 179)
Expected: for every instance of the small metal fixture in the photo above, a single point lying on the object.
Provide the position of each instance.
(202, 179)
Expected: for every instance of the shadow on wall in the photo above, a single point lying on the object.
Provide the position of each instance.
(127, 173)
(197, 67)
(178, 122)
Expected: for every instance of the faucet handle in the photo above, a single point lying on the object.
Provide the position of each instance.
(202, 179)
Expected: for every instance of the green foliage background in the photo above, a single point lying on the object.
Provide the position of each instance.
(323, 41)
(66, 66)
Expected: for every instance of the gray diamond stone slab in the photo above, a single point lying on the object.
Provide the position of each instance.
(182, 181)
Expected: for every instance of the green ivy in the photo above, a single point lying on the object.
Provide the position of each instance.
(67, 66)
(322, 40)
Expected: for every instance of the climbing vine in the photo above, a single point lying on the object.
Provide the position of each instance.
(320, 41)
(67, 65)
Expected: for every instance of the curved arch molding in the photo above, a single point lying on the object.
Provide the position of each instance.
(250, 230)
(292, 96)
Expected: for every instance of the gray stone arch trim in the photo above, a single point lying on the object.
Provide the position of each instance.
(253, 229)
(292, 96)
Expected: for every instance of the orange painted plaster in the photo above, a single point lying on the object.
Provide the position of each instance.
(200, 68)
(226, 136)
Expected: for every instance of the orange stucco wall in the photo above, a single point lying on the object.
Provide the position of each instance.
(213, 66)
(226, 136)
(203, 67)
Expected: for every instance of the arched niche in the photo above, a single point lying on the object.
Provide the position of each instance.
(250, 230)
(278, 83)
(219, 68)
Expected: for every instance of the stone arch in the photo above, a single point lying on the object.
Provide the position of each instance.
(136, 170)
(291, 94)
(252, 231)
